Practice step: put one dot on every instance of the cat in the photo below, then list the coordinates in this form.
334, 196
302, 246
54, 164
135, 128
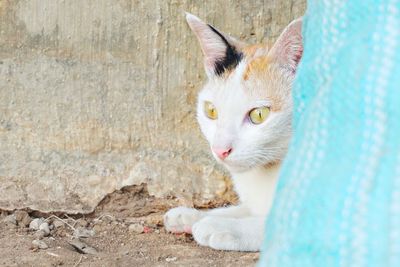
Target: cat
245, 112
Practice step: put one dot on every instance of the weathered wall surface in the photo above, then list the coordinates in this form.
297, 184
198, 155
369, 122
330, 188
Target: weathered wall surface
99, 94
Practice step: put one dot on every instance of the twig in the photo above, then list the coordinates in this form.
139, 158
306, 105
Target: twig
69, 218
105, 215
80, 259
58, 218
53, 254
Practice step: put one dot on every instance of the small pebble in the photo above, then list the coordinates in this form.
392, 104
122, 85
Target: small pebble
83, 232
107, 219
97, 228
170, 259
40, 234
82, 247
82, 222
10, 219
23, 218
45, 228
136, 228
57, 224
39, 244
35, 223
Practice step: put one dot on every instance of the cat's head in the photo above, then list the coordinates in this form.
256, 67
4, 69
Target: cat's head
245, 108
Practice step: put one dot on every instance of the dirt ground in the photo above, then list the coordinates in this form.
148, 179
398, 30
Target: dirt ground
125, 230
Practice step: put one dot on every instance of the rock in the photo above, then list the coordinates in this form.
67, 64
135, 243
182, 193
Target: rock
82, 247
82, 222
40, 234
97, 228
171, 259
10, 219
136, 228
107, 218
23, 218
20, 215
83, 232
45, 228
39, 244
25, 221
35, 223
58, 224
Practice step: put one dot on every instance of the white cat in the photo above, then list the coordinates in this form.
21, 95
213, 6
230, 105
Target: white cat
245, 112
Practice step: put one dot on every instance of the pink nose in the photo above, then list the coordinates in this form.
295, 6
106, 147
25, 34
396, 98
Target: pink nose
222, 153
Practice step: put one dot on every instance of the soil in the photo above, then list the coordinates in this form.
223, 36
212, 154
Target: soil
126, 229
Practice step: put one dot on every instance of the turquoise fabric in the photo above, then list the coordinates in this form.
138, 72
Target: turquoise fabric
338, 197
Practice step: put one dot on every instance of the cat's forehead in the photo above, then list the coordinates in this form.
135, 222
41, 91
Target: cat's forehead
232, 89
253, 80
249, 57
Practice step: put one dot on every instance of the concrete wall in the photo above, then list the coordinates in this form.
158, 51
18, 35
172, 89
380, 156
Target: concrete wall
99, 94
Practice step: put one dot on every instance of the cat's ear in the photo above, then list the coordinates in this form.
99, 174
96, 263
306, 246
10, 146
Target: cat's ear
221, 52
288, 49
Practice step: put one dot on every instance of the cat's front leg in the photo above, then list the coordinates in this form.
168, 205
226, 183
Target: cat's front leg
239, 234
181, 219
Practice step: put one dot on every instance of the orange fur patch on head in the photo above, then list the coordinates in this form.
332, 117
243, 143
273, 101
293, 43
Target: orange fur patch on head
257, 65
250, 51
277, 103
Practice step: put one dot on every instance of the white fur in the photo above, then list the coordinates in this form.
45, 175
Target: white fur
236, 227
257, 150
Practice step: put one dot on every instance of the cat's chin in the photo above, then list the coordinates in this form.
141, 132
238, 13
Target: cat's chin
236, 167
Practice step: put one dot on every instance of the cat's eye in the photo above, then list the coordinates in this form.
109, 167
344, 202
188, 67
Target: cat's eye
210, 110
259, 115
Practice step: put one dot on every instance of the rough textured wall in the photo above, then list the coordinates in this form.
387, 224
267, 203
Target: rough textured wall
99, 94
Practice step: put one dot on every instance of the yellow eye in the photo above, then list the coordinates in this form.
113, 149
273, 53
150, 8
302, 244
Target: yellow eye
210, 110
258, 115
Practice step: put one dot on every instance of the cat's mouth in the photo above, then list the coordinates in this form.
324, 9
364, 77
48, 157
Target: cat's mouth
239, 162
235, 165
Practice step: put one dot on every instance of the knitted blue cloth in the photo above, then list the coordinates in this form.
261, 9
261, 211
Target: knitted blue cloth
338, 197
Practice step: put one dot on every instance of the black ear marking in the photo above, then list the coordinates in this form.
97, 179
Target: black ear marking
231, 59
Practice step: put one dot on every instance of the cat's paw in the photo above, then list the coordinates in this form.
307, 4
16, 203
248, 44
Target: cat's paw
181, 219
213, 232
